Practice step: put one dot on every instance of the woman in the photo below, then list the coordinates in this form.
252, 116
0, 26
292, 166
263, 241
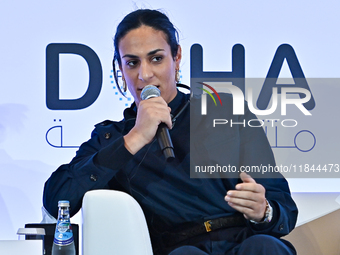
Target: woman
243, 215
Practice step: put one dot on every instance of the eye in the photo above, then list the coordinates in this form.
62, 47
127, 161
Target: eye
157, 58
131, 63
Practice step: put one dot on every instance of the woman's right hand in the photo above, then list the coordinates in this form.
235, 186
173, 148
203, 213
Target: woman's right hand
150, 114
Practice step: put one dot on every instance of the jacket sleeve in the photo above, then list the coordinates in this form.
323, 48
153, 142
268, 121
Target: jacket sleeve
256, 151
284, 209
96, 163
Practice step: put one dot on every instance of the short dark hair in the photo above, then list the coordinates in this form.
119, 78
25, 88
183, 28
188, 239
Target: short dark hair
151, 18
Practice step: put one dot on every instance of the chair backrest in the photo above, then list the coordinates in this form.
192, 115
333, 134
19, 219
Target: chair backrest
114, 223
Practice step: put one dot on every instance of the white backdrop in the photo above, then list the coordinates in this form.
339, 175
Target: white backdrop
27, 27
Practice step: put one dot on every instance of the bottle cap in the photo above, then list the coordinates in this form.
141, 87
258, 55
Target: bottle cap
63, 203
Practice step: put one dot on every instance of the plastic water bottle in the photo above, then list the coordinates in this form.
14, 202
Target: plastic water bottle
63, 243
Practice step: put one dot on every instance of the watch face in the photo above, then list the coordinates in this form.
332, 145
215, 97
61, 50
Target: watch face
269, 213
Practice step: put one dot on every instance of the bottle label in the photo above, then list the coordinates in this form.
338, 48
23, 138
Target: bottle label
63, 234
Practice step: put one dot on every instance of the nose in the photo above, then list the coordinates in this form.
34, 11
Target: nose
145, 71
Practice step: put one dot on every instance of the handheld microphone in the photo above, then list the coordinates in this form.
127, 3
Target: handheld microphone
162, 134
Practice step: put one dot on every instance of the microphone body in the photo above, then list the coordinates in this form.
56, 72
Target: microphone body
162, 134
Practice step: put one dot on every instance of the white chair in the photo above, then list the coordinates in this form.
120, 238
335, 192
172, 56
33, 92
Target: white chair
114, 223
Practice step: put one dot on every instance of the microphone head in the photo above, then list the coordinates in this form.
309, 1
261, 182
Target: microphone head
150, 91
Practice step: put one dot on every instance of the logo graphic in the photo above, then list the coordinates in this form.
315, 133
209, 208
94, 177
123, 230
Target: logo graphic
213, 90
127, 100
239, 99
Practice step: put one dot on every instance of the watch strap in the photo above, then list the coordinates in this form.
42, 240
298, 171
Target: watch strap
268, 215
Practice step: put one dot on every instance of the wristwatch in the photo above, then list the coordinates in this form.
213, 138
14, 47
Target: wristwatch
268, 215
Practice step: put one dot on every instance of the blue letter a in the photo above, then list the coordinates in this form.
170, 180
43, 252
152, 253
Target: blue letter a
284, 51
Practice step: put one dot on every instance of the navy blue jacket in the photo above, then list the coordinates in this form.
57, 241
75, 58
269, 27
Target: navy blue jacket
165, 191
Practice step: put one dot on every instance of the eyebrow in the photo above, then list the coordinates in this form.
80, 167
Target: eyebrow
149, 54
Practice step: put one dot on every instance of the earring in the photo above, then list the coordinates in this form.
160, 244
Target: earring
124, 85
178, 77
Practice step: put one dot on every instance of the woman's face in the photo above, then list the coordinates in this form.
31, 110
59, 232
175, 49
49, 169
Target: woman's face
146, 60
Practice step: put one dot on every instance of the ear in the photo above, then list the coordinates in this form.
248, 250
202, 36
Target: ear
178, 57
